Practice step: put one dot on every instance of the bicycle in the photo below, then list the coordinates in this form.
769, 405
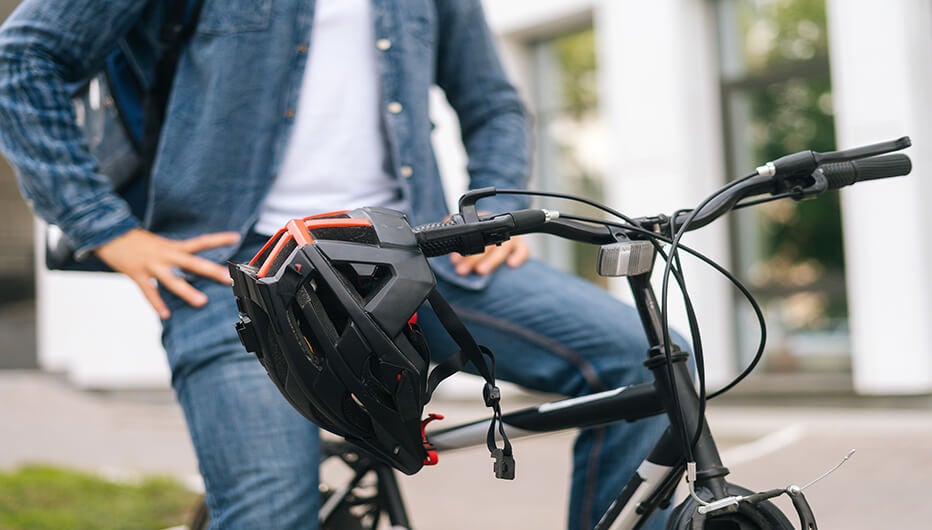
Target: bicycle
628, 248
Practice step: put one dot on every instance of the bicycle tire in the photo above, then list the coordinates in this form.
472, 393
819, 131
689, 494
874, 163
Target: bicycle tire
761, 516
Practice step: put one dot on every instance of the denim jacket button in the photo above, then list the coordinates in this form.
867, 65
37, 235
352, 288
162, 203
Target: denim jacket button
406, 171
383, 44
289, 113
394, 107
301, 48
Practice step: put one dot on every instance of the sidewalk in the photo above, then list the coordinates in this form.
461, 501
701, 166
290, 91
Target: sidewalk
44, 419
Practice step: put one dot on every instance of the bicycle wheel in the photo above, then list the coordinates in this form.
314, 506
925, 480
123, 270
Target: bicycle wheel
761, 516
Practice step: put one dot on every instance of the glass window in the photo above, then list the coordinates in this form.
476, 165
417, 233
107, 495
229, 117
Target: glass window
777, 99
569, 134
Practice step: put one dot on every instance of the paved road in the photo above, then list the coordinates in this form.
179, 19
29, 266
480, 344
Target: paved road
883, 486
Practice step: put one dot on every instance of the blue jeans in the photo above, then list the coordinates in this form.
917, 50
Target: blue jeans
550, 332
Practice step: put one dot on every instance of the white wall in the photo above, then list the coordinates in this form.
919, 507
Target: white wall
96, 328
659, 99
882, 79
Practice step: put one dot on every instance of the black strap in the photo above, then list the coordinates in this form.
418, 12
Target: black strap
175, 32
472, 352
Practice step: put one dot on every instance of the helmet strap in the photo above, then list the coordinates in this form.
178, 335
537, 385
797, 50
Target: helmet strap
470, 351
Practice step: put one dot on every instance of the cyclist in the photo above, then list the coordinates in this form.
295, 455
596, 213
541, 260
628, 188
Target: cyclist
282, 109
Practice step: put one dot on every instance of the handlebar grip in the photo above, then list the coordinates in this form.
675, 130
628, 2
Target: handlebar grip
842, 174
436, 239
432, 245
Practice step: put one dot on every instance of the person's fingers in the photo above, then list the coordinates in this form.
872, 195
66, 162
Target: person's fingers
208, 241
467, 264
519, 254
148, 258
514, 252
203, 267
181, 288
151, 293
492, 259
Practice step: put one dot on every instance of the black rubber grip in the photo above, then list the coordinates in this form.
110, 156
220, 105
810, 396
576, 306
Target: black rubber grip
432, 244
472, 238
842, 174
439, 247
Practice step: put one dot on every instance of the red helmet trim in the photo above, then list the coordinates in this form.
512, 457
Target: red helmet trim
299, 230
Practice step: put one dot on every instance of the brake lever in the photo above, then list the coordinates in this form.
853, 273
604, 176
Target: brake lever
467, 203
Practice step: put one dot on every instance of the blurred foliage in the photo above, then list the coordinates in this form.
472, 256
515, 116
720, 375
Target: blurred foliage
48, 498
781, 32
577, 109
576, 57
786, 41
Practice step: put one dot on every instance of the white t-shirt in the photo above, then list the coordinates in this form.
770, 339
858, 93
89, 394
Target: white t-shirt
336, 156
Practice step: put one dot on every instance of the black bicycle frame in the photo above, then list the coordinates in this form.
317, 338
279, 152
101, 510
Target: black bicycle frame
629, 403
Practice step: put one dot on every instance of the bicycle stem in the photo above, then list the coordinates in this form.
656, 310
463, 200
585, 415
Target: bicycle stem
682, 409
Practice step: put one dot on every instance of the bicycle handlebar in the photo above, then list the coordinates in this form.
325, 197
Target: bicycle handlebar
830, 176
458, 235
842, 174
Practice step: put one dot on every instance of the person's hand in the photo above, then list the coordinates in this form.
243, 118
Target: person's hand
148, 258
513, 252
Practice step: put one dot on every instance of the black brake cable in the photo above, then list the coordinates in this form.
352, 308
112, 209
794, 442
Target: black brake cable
698, 352
762, 200
668, 355
693, 322
664, 300
745, 292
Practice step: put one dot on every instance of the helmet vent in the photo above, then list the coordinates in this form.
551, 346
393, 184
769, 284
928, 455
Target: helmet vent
282, 255
365, 279
350, 234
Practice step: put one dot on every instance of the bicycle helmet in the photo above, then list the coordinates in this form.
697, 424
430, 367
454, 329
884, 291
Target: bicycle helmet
329, 307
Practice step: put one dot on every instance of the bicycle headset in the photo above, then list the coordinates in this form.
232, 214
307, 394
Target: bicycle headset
329, 305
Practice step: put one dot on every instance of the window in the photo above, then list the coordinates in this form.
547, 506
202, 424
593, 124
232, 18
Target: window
777, 99
569, 134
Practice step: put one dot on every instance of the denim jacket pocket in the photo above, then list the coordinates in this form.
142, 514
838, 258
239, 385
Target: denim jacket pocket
220, 17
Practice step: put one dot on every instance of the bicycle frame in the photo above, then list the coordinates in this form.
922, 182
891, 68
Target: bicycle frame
687, 445
656, 478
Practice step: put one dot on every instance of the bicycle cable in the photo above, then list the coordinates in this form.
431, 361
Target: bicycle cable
654, 237
665, 318
745, 292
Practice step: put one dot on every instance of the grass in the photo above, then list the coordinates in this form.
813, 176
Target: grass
37, 497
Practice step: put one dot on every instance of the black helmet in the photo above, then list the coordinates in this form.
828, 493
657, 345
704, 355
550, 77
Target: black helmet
328, 305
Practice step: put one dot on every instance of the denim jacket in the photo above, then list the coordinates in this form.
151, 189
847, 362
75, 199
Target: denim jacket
232, 108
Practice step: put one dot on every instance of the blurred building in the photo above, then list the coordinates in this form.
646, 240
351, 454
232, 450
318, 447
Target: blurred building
649, 107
